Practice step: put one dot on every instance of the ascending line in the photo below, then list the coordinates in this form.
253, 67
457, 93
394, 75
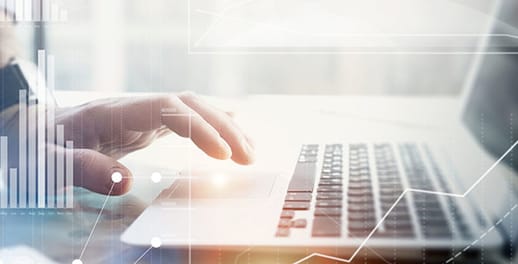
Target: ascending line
401, 197
96, 221
142, 256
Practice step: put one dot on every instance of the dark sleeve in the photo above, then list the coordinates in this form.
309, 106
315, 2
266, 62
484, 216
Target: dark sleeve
11, 82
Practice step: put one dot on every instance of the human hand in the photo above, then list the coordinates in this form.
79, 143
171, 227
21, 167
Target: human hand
106, 130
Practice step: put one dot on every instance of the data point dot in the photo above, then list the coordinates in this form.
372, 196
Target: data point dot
156, 177
116, 178
156, 242
77, 261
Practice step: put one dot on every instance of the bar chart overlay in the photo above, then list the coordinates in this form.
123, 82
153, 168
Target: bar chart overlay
34, 11
44, 176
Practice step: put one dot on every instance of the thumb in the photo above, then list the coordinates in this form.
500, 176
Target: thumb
94, 170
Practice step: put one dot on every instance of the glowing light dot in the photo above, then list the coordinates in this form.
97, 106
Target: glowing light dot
156, 242
156, 177
116, 178
219, 180
77, 261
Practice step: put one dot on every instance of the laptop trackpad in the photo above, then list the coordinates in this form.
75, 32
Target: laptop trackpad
222, 185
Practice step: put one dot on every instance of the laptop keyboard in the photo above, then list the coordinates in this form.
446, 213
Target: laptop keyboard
327, 217
349, 200
398, 223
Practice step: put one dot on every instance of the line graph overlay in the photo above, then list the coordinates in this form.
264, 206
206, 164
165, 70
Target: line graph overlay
482, 235
96, 222
408, 190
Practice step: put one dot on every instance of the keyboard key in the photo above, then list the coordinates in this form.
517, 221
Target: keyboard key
390, 192
299, 223
329, 196
398, 215
395, 234
398, 224
332, 188
284, 223
328, 212
287, 214
330, 177
359, 192
326, 227
324, 182
329, 203
363, 180
360, 199
437, 233
361, 208
282, 232
359, 233
437, 222
361, 225
361, 216
303, 178
307, 159
296, 206
298, 197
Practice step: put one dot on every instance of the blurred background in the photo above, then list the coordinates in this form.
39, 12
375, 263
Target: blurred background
153, 46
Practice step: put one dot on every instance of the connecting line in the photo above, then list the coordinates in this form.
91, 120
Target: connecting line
96, 221
222, 15
470, 189
142, 256
481, 236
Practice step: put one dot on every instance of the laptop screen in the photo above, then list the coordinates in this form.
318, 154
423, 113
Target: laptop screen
491, 112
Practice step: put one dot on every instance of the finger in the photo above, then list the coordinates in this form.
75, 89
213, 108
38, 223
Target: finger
187, 123
242, 149
153, 113
93, 171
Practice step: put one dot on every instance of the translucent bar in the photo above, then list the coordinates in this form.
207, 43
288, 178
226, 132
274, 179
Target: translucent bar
27, 10
13, 190
69, 172
36, 10
40, 86
63, 15
3, 6
10, 5
51, 136
3, 171
54, 12
19, 10
45, 10
60, 167
31, 167
22, 109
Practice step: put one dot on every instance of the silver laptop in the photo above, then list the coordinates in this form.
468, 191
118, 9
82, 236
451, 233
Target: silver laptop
342, 198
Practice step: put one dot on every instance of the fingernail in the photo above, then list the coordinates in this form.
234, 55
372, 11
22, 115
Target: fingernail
226, 150
250, 151
250, 142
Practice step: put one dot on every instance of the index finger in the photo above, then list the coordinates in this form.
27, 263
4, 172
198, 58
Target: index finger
154, 113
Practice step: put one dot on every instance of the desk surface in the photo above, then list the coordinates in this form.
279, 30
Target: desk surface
276, 122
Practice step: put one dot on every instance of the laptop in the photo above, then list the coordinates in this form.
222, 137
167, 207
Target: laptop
390, 196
